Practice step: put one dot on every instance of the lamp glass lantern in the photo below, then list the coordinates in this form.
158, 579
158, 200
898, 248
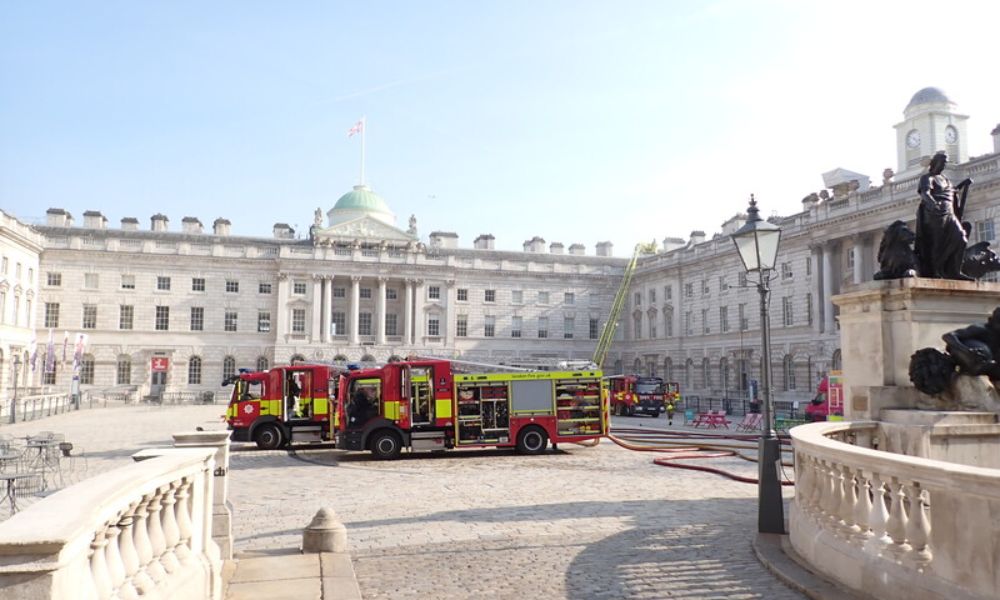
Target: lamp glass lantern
757, 241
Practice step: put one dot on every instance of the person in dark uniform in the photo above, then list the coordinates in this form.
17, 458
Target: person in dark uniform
361, 406
292, 402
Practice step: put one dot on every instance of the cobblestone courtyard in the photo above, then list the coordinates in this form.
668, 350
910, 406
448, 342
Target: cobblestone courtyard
579, 523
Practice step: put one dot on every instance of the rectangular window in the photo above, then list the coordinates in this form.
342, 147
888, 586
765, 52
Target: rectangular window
3, 306
638, 299
741, 279
339, 292
809, 309
704, 288
299, 288
194, 371
985, 231
637, 327
53, 279
689, 290
263, 321
51, 314
434, 292
49, 378
463, 295
433, 326
232, 286
197, 318
668, 292
390, 294
705, 330
231, 318
123, 372
91, 281
668, 322
543, 327
688, 323
652, 296
724, 319
365, 323
390, 324
89, 317
786, 267
364, 293
723, 284
652, 326
744, 321
198, 284
569, 298
298, 320
516, 297
543, 297
128, 282
594, 330
462, 326
516, 323
490, 296
126, 314
163, 284
263, 288
809, 265
786, 312
338, 323
489, 326
569, 327
87, 371
162, 322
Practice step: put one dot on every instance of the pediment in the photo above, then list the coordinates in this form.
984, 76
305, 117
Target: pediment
364, 229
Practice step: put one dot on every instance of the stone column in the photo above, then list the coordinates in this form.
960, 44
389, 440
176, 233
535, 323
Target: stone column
282, 324
408, 314
325, 315
859, 259
418, 313
380, 312
817, 288
222, 509
317, 309
355, 309
825, 299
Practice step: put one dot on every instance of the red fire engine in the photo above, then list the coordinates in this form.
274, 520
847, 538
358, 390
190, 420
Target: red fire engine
634, 394
282, 405
423, 405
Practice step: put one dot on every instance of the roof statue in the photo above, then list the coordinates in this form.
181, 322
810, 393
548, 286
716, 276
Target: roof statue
413, 225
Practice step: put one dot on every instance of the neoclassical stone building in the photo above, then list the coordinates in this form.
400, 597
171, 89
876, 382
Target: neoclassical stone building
691, 317
178, 310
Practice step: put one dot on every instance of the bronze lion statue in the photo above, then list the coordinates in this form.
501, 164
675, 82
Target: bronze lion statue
896, 258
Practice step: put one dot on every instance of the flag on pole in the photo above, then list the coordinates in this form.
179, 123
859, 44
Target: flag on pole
358, 128
50, 355
33, 350
81, 341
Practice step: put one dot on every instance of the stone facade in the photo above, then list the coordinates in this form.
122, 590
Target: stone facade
20, 248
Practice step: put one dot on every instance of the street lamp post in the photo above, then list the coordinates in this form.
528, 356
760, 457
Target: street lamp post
13, 399
757, 244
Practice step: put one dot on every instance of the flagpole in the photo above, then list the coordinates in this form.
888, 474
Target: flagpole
364, 127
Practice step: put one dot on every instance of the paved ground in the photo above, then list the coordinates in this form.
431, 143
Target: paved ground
599, 522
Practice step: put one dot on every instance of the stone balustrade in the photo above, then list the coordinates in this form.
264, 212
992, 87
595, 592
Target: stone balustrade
894, 526
144, 530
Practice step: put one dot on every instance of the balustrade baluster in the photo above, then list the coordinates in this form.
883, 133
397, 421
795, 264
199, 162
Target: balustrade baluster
918, 526
803, 476
863, 506
113, 557
154, 528
130, 559
834, 489
184, 520
850, 501
99, 566
143, 548
170, 533
879, 514
896, 527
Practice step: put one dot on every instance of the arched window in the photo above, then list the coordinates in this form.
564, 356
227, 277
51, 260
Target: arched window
788, 372
87, 369
836, 366
340, 358
637, 367
618, 367
368, 358
395, 358
688, 370
668, 369
706, 379
194, 370
297, 358
262, 363
228, 367
123, 370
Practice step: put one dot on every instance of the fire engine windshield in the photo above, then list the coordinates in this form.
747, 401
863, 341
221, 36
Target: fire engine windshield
649, 385
248, 390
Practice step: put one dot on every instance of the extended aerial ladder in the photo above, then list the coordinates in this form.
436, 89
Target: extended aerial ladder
611, 325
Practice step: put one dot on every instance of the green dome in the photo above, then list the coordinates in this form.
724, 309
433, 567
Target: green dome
363, 199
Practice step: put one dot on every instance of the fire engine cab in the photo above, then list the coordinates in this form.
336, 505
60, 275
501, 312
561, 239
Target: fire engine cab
282, 405
424, 405
634, 394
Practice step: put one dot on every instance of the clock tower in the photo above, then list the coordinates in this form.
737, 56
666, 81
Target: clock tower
930, 124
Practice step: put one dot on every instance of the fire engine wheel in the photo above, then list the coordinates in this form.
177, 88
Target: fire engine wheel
532, 440
386, 445
268, 437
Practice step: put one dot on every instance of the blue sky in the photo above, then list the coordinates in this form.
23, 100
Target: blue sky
576, 121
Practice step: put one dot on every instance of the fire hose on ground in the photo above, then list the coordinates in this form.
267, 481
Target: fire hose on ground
684, 445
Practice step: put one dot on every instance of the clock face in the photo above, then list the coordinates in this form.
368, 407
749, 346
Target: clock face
950, 135
913, 139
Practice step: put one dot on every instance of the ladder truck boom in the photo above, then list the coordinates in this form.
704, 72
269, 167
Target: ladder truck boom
608, 333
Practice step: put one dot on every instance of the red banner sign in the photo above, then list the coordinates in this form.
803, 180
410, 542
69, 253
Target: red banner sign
159, 364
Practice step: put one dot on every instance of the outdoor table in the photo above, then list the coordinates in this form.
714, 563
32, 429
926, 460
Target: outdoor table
46, 460
10, 490
8, 458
